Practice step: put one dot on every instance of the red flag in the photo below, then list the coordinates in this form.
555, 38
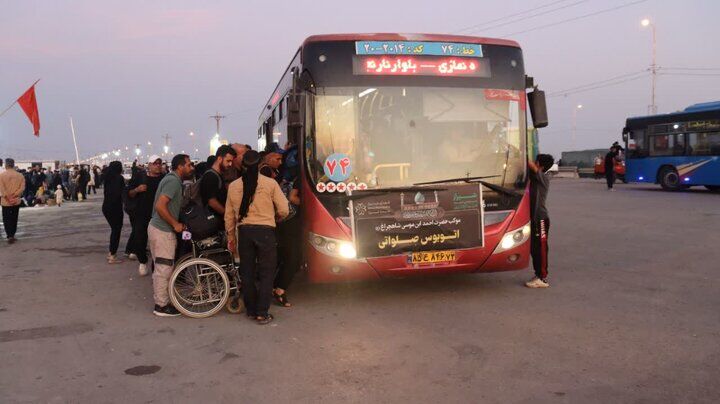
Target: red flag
29, 105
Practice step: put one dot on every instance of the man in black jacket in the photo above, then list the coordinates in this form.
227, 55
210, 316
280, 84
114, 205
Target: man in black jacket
143, 189
212, 186
610, 159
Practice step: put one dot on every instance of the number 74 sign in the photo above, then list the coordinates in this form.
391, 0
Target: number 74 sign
337, 167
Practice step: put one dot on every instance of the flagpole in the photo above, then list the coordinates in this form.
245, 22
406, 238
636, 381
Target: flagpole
72, 128
8, 108
15, 102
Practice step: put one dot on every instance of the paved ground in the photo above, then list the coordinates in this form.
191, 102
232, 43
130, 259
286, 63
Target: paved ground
632, 316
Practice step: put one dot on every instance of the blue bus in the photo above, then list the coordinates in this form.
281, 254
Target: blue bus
676, 150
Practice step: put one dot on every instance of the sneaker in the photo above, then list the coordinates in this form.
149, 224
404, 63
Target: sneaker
167, 311
132, 257
143, 270
113, 259
11, 240
536, 283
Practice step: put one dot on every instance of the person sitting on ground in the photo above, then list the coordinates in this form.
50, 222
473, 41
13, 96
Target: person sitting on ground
255, 202
163, 229
540, 220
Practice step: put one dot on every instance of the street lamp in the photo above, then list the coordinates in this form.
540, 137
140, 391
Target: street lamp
653, 67
574, 123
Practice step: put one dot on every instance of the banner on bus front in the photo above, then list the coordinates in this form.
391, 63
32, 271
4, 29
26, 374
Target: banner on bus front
391, 223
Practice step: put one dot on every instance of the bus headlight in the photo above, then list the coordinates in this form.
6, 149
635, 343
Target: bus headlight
333, 247
513, 239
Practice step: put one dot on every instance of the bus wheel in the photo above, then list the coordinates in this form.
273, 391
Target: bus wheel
623, 179
713, 188
670, 180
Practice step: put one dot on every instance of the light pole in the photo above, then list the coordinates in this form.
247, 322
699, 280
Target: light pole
574, 124
653, 67
192, 137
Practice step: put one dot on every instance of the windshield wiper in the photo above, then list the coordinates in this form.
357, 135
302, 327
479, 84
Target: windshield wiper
470, 180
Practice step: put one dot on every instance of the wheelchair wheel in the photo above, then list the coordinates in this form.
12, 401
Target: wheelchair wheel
234, 304
182, 259
199, 288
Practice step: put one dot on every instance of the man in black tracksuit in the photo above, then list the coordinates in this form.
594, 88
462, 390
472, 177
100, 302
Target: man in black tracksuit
610, 159
539, 186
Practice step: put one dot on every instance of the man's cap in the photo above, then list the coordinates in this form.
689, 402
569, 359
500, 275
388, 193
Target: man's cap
251, 158
154, 158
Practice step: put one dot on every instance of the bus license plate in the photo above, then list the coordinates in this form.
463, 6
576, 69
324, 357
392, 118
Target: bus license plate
431, 257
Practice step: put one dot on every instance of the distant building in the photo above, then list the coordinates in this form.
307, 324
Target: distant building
27, 164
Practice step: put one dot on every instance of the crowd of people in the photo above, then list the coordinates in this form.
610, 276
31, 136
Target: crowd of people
41, 186
250, 198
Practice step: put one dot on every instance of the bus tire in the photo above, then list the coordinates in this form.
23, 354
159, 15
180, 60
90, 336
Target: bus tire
713, 188
670, 179
623, 179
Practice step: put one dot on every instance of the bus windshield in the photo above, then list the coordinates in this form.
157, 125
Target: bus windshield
398, 136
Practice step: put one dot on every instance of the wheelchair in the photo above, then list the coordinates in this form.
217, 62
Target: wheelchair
206, 280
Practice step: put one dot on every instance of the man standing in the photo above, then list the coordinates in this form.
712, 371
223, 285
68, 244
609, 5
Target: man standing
213, 191
143, 190
270, 165
12, 185
540, 220
162, 231
236, 170
610, 159
254, 202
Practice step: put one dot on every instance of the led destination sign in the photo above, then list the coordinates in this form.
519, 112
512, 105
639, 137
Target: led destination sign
420, 66
418, 48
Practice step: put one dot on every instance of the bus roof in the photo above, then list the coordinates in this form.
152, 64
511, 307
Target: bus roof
704, 106
410, 37
705, 110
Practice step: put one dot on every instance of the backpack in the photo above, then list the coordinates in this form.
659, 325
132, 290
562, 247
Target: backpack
130, 204
199, 218
286, 187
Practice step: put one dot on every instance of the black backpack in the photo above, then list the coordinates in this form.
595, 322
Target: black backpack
130, 204
199, 218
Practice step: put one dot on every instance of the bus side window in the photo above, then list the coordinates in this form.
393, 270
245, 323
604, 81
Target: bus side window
659, 145
679, 146
704, 144
637, 138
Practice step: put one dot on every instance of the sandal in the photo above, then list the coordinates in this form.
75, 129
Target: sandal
281, 300
262, 320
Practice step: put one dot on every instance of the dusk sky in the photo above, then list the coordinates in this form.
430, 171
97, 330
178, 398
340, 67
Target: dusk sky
130, 71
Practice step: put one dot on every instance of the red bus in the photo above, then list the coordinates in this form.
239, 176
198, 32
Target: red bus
412, 150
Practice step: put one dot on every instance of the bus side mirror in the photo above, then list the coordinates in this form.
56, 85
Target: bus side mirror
538, 108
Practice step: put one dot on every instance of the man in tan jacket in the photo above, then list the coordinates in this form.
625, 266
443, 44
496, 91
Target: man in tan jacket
254, 202
12, 185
